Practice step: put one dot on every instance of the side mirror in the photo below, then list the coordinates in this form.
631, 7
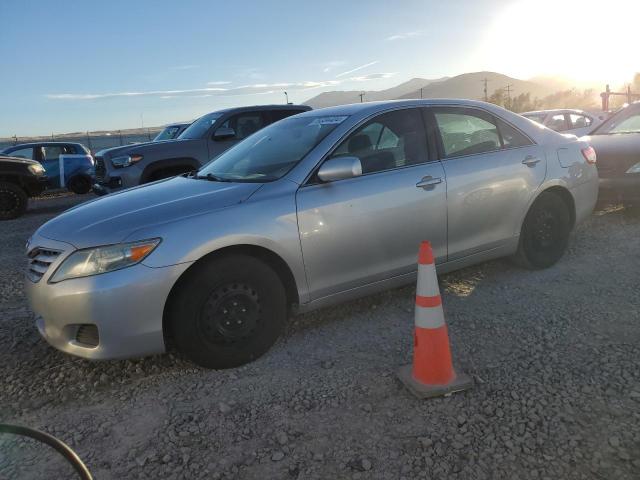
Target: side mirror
224, 133
340, 168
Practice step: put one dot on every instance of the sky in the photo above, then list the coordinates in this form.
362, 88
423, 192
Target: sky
91, 65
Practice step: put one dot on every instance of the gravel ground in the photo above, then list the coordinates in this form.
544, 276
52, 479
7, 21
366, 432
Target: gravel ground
555, 356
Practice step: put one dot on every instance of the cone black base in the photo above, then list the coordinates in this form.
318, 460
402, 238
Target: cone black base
421, 390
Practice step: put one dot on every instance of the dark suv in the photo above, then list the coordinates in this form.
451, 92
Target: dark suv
20, 178
204, 139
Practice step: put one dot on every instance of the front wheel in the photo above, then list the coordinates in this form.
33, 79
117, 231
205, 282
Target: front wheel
13, 201
79, 185
228, 312
545, 232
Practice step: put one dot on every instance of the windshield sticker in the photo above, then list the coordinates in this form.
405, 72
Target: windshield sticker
335, 120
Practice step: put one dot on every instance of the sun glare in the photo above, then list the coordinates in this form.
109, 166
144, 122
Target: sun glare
589, 40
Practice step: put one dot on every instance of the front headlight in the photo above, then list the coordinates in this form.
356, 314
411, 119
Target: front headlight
634, 169
125, 160
36, 169
93, 261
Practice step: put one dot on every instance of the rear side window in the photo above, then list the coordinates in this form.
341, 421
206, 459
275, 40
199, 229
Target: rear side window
579, 121
512, 138
557, 122
466, 132
282, 114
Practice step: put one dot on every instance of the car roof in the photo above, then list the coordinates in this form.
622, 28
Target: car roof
555, 110
373, 107
301, 108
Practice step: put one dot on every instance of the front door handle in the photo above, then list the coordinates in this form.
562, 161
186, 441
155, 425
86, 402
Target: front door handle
530, 161
428, 182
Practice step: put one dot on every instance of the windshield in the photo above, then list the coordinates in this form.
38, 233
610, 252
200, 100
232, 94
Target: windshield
271, 152
626, 120
198, 128
169, 133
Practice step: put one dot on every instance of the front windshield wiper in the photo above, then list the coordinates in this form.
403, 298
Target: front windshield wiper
211, 177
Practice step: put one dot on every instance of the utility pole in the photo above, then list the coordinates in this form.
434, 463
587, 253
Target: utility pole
286, 98
361, 95
421, 91
486, 95
508, 90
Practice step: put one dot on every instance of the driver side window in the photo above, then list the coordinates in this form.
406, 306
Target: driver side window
391, 140
245, 124
466, 132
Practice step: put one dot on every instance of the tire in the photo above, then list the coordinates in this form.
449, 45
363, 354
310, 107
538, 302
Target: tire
545, 232
242, 287
13, 201
79, 185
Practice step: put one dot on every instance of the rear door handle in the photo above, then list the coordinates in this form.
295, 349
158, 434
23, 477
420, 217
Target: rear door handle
530, 161
429, 182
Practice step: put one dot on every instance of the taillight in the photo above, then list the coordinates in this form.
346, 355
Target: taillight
589, 155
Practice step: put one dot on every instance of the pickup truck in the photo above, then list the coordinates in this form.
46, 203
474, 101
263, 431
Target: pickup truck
204, 139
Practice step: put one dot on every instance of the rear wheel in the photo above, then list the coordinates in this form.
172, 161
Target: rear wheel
228, 312
545, 232
79, 185
13, 201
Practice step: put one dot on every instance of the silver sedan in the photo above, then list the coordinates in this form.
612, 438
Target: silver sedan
315, 209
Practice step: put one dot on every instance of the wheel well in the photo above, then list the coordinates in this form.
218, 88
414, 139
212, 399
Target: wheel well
567, 198
177, 165
267, 256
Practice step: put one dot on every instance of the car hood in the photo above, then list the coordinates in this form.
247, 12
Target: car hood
615, 153
113, 218
148, 147
22, 161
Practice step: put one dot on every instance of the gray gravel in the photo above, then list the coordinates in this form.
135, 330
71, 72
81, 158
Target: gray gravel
555, 356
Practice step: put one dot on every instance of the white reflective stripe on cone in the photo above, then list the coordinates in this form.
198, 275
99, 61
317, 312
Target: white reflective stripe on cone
429, 317
427, 281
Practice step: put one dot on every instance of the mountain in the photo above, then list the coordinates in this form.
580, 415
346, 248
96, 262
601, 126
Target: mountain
471, 86
467, 85
329, 99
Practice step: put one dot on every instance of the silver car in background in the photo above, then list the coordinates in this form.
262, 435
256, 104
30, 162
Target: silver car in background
318, 208
567, 120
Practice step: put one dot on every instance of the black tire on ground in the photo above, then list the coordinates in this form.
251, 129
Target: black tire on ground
227, 312
13, 201
79, 184
545, 232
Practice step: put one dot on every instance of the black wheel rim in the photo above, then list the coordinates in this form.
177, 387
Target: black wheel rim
8, 201
545, 232
230, 314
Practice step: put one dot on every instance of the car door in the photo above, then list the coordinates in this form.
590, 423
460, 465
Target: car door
243, 125
368, 228
50, 160
492, 171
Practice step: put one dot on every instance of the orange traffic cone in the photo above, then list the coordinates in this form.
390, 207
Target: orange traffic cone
432, 372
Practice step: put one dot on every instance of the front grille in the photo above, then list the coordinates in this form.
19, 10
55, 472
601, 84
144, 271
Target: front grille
101, 170
40, 259
87, 335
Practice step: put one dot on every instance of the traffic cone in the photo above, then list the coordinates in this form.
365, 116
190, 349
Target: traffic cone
432, 373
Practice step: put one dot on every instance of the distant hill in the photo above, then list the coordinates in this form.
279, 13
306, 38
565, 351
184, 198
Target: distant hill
471, 86
329, 99
467, 85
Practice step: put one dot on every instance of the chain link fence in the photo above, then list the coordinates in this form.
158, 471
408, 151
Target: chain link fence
95, 141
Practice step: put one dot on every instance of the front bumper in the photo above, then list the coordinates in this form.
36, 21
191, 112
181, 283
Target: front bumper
126, 306
627, 187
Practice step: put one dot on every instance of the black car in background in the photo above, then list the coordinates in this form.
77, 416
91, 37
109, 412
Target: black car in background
617, 146
20, 179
